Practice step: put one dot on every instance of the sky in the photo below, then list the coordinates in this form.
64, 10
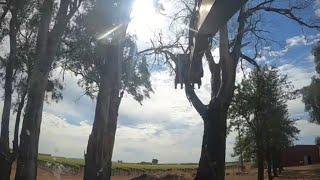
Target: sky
166, 126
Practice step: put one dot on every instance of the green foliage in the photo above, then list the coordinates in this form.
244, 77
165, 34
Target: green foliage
259, 113
28, 21
84, 55
311, 93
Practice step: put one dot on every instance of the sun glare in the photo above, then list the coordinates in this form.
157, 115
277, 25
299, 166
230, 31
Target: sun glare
145, 19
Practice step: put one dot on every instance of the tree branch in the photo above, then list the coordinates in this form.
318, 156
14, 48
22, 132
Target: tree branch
196, 102
287, 12
250, 60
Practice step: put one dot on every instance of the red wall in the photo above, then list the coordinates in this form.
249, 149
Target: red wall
295, 154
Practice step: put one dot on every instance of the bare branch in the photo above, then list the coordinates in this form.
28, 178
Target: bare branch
287, 12
250, 60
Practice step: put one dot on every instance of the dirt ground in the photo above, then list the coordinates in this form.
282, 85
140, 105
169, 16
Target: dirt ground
311, 172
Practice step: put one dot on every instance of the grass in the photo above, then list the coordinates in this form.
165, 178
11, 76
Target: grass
77, 163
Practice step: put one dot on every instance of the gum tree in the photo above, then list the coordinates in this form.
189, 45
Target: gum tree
51, 28
106, 59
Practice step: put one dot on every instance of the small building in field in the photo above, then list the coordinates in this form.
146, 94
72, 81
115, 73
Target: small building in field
301, 155
155, 161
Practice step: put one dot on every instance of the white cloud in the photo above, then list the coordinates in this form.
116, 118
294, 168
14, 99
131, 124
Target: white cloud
307, 128
293, 42
317, 8
299, 77
60, 138
296, 40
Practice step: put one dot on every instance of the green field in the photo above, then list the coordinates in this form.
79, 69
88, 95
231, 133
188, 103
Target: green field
77, 163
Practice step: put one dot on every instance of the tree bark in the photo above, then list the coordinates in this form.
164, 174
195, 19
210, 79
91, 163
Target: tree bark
212, 160
269, 164
275, 162
274, 168
5, 154
47, 44
101, 140
29, 137
17, 123
260, 159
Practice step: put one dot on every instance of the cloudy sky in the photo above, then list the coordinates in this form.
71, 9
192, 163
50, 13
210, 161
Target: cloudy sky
166, 126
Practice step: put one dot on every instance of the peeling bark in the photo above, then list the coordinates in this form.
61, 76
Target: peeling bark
101, 140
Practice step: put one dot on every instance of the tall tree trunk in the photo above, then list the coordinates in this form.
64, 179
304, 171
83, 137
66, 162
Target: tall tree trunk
269, 164
101, 140
260, 159
275, 168
17, 123
47, 44
29, 137
212, 160
5, 154
275, 162
241, 152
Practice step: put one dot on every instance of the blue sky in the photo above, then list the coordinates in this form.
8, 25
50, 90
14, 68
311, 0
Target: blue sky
166, 126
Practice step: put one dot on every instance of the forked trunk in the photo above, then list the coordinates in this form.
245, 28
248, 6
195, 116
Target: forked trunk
47, 44
212, 160
101, 140
29, 137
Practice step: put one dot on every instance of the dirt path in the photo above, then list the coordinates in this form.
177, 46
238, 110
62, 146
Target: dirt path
47, 175
302, 172
311, 172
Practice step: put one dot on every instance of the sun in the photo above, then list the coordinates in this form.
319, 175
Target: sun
145, 20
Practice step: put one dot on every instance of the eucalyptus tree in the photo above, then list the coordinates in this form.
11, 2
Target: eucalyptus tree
53, 19
311, 93
18, 11
261, 101
22, 41
98, 49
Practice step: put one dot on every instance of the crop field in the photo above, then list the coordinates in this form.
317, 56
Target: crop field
78, 163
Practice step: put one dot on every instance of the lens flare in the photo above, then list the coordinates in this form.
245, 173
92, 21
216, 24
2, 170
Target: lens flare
109, 32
